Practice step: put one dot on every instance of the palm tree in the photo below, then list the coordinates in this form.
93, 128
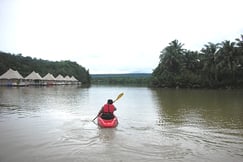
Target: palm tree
171, 56
239, 43
191, 61
169, 68
230, 60
210, 52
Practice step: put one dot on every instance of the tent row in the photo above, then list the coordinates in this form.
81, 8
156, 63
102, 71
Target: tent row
14, 78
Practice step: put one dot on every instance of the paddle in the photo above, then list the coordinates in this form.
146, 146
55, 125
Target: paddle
117, 98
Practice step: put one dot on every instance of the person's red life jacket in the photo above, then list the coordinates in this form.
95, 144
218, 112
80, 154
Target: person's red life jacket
108, 108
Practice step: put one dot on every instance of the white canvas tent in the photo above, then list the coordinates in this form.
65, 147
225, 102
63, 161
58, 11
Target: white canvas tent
11, 78
34, 79
67, 79
74, 79
49, 79
60, 80
34, 76
11, 74
14, 78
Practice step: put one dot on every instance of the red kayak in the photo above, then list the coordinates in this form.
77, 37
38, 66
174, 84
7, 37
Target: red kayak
104, 123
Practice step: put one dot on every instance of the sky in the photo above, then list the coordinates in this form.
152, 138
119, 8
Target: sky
114, 36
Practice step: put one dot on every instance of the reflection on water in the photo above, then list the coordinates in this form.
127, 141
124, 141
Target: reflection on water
206, 122
216, 108
55, 124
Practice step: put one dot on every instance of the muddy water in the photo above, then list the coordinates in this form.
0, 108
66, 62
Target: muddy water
55, 124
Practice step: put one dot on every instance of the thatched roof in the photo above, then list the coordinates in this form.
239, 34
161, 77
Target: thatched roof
34, 76
48, 77
60, 78
11, 74
73, 78
67, 78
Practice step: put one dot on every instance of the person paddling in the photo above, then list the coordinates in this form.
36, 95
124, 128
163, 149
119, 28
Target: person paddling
107, 110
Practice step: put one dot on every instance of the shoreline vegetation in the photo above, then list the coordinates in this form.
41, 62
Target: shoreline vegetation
215, 66
121, 79
27, 65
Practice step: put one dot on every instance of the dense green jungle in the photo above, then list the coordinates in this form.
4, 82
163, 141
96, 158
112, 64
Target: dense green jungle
216, 65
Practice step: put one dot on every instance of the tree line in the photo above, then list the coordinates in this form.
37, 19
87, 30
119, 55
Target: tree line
25, 65
121, 79
216, 65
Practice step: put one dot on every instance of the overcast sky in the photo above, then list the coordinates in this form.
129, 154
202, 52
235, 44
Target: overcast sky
111, 36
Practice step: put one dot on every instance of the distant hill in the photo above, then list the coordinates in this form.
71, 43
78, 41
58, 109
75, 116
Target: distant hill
122, 79
128, 75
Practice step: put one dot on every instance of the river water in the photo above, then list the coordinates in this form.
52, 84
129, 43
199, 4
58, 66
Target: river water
54, 124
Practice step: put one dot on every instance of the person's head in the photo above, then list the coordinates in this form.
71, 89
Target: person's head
110, 101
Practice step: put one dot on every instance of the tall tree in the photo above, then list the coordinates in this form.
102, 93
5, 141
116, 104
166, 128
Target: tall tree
169, 68
239, 44
230, 60
210, 52
217, 65
171, 56
191, 61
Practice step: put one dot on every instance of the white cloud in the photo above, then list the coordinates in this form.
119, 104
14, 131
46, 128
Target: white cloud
114, 36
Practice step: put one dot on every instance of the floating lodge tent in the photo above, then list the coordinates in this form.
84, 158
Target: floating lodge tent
60, 80
34, 79
14, 78
11, 78
49, 79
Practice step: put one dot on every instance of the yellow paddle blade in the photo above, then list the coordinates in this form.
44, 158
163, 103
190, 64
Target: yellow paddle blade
118, 97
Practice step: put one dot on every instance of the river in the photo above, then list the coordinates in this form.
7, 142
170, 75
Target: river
54, 124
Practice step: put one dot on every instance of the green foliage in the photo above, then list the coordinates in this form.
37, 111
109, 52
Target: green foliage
25, 65
216, 65
121, 79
